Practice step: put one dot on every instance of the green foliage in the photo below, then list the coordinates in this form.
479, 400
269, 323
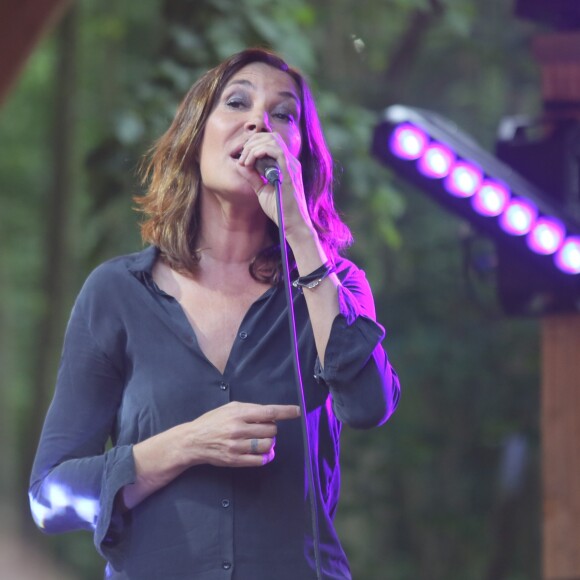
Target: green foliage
420, 495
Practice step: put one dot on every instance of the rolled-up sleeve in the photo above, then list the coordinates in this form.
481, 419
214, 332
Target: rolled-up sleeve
364, 386
75, 478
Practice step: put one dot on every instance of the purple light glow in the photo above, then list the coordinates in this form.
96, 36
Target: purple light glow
546, 236
490, 199
436, 161
408, 142
87, 509
57, 500
568, 256
463, 180
518, 217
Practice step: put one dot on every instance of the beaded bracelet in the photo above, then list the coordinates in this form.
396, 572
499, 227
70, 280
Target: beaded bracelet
314, 278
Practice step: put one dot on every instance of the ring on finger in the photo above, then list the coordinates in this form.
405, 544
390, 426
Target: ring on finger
254, 447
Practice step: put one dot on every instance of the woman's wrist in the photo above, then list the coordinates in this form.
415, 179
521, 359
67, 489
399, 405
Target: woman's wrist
161, 458
302, 236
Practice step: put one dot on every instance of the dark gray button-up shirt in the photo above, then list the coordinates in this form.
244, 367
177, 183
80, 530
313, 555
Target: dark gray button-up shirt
131, 368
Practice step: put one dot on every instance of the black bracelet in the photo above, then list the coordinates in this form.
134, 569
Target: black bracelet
314, 278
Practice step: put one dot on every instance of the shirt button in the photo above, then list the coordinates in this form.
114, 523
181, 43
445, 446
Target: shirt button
243, 335
225, 503
226, 565
224, 386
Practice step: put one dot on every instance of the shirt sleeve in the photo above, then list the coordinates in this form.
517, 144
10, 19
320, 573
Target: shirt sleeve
75, 477
364, 386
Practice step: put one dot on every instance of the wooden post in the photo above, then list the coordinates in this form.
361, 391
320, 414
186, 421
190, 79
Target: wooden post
560, 424
559, 57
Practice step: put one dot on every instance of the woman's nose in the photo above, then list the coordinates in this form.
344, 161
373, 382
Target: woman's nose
259, 123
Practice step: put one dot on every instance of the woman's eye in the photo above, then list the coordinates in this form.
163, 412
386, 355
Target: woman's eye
288, 117
235, 103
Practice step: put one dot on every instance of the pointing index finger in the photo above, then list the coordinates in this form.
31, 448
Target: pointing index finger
268, 413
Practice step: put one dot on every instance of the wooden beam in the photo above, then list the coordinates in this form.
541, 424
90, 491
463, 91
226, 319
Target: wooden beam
22, 24
560, 422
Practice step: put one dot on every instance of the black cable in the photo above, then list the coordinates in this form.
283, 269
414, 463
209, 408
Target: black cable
275, 181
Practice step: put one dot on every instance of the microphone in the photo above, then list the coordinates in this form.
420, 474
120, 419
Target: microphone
268, 168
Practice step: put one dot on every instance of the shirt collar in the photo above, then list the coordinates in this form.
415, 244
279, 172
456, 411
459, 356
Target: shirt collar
141, 263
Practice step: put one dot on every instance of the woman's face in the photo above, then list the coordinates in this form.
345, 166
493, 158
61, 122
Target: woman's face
257, 98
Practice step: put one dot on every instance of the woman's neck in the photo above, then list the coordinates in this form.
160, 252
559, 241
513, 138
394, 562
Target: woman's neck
230, 234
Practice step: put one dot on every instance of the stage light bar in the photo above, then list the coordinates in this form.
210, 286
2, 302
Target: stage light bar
538, 239
435, 154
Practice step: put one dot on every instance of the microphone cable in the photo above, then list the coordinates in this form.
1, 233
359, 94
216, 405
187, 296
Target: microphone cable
272, 174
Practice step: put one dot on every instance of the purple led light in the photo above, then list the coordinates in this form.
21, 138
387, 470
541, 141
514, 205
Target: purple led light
408, 142
490, 199
518, 217
546, 236
436, 161
568, 256
463, 180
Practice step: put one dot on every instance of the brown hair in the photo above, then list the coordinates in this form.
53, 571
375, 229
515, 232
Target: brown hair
173, 177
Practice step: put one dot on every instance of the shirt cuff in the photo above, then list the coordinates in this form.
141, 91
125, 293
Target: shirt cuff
119, 471
353, 338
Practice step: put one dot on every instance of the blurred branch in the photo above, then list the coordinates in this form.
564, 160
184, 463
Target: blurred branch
22, 24
411, 40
